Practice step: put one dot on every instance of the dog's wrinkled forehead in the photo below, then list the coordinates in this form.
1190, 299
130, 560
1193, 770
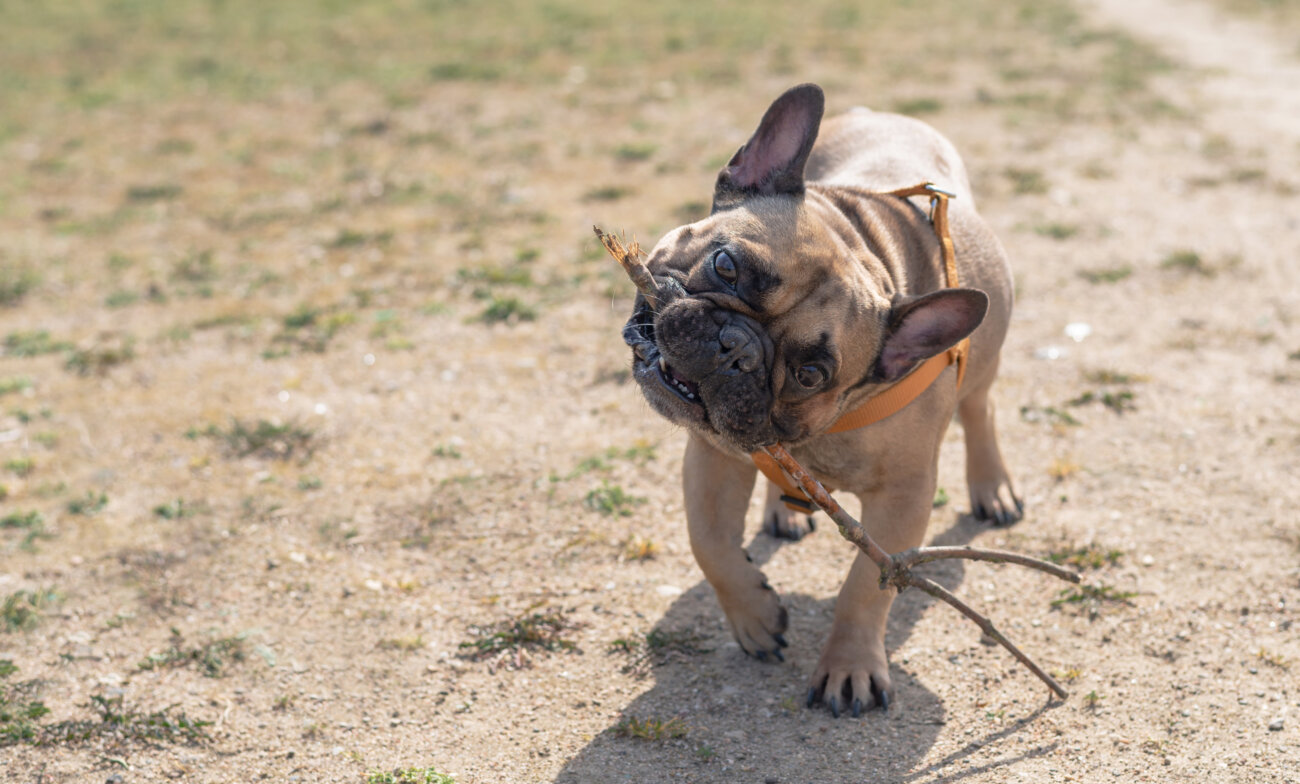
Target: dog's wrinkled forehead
769, 244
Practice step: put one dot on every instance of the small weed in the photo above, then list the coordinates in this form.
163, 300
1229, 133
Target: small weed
13, 384
1026, 181
611, 500
1273, 659
264, 439
1089, 598
1113, 377
1069, 676
1092, 699
20, 466
211, 657
403, 644
1062, 469
495, 276
114, 722
915, 106
704, 752
173, 510
1056, 231
658, 647
940, 499
121, 298
635, 152
195, 268
22, 520
282, 703
19, 711
88, 504
15, 282
33, 343
310, 482
348, 238
1089, 557
607, 193
638, 548
641, 452
1119, 402
510, 641
409, 776
651, 729
150, 193
1188, 261
108, 352
507, 310
1049, 414
308, 328
1106, 274
449, 450
22, 609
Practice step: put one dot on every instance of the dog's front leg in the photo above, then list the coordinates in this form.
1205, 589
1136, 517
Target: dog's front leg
717, 489
853, 672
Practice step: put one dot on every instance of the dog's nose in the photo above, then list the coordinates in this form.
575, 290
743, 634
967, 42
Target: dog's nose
740, 349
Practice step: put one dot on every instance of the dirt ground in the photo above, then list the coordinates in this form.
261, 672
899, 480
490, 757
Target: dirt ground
316, 426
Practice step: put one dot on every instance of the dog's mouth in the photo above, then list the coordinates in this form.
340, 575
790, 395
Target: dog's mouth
649, 363
685, 388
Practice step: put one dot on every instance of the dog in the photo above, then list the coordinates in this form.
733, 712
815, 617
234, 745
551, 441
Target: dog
815, 285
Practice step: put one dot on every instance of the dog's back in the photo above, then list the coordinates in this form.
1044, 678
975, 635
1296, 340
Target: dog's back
882, 151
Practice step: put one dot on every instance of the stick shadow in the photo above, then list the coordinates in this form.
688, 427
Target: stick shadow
746, 720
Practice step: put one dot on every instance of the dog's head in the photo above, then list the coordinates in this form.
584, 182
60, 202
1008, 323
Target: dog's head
774, 315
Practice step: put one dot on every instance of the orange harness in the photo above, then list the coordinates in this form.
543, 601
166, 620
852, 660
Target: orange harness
894, 399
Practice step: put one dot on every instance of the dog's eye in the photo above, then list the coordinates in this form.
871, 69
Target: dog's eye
810, 376
725, 266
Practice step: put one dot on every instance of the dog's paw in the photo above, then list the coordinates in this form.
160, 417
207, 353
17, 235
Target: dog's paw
758, 622
996, 502
851, 679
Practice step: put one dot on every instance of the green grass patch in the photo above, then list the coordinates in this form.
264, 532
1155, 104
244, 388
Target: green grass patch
611, 500
530, 632
22, 610
1056, 231
631, 153
211, 657
101, 357
918, 106
507, 310
1118, 401
308, 328
9, 386
641, 452
16, 280
152, 193
1026, 181
33, 343
1049, 414
1089, 557
656, 648
1187, 261
20, 466
651, 729
173, 510
279, 441
1106, 274
88, 504
408, 776
1090, 598
113, 722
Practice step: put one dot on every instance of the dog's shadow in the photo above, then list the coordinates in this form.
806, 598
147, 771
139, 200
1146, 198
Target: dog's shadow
746, 721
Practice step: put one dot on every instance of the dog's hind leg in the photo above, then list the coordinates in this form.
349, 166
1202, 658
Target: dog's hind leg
780, 521
992, 496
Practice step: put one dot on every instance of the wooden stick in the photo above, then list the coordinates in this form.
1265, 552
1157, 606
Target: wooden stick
895, 570
632, 261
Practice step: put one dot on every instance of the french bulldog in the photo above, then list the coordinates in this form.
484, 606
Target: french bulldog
806, 291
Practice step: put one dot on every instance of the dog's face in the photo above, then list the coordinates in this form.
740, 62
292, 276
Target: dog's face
770, 320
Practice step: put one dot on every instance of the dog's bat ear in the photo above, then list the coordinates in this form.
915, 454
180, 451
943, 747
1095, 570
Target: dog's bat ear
773, 159
920, 327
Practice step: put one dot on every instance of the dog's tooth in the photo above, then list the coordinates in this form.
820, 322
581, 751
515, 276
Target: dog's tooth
663, 364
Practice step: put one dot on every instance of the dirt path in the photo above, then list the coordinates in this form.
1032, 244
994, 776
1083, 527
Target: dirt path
331, 399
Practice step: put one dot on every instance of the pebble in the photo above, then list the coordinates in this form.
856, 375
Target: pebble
1275, 725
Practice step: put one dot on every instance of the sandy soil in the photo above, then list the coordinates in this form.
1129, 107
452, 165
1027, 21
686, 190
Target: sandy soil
454, 469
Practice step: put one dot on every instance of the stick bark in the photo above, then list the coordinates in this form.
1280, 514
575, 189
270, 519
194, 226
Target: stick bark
895, 570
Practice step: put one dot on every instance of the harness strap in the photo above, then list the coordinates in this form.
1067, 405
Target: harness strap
894, 399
